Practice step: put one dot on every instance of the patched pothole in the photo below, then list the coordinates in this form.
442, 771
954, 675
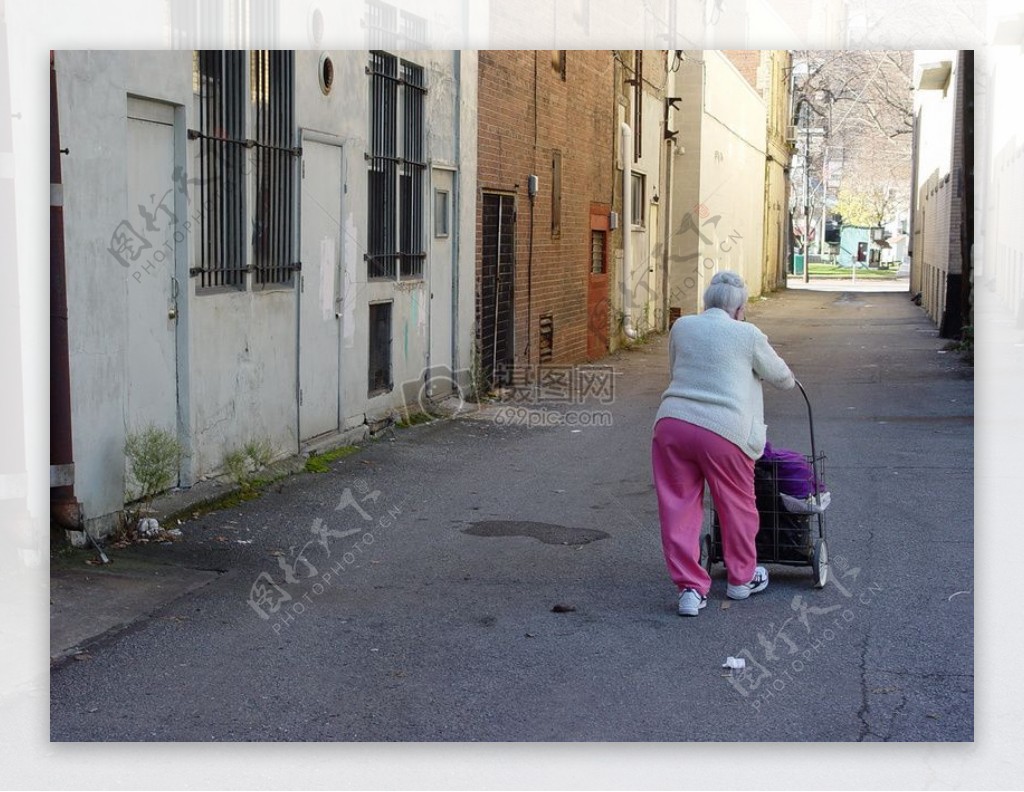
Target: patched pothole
549, 533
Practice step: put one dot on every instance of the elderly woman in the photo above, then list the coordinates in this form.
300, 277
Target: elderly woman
710, 427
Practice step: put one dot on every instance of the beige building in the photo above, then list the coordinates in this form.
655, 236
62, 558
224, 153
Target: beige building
641, 78
717, 173
940, 236
768, 72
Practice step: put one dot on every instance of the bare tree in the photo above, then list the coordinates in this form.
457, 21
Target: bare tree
860, 102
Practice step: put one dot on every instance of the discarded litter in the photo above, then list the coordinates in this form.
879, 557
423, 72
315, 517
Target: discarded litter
735, 663
148, 527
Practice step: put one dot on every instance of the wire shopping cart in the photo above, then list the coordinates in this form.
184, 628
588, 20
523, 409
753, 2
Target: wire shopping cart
793, 538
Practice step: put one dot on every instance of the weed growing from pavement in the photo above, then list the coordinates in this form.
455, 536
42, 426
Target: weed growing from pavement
414, 419
321, 463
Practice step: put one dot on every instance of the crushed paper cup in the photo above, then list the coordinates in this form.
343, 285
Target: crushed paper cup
734, 662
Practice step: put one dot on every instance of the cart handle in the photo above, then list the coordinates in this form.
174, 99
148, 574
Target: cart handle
814, 450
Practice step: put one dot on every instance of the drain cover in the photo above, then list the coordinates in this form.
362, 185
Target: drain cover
549, 533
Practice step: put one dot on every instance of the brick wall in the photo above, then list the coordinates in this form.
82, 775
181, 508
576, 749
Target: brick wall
526, 112
747, 62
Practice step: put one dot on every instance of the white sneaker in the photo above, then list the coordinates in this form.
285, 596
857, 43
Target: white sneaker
690, 602
758, 583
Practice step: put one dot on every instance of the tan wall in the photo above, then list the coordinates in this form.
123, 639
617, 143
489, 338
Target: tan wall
732, 175
937, 206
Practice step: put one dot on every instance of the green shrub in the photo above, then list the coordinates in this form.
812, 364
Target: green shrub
154, 456
241, 464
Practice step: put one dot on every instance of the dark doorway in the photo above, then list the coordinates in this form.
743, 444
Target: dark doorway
496, 287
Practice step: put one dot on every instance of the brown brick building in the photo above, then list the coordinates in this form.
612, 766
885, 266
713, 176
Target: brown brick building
543, 249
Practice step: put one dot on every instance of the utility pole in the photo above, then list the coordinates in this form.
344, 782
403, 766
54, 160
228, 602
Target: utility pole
807, 186
824, 198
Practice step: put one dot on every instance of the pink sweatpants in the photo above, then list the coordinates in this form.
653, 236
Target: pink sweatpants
683, 457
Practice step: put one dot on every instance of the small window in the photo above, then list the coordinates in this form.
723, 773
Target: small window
380, 348
441, 213
598, 252
639, 199
547, 337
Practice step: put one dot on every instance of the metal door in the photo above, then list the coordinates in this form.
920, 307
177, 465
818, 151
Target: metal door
439, 380
151, 361
319, 289
497, 287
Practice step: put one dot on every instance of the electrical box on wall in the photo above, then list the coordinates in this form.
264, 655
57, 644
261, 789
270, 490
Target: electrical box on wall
531, 185
613, 221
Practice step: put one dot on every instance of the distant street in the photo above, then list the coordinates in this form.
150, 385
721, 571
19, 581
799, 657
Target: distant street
484, 579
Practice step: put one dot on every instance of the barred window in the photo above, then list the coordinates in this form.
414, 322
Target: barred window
273, 122
228, 228
413, 249
380, 348
220, 84
396, 247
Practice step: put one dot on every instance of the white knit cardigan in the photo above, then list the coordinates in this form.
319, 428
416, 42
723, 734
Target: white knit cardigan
717, 365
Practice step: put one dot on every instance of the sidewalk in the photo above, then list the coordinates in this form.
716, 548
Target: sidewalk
90, 602
796, 283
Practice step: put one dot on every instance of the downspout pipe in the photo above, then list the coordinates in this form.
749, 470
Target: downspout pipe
627, 221
65, 510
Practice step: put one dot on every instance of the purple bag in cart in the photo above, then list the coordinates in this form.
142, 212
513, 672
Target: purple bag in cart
794, 474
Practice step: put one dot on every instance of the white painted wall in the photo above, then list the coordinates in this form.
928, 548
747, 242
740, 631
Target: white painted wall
645, 288
718, 182
343, 113
933, 194
93, 88
237, 350
732, 174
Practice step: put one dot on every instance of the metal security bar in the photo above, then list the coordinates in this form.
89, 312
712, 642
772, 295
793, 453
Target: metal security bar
221, 159
382, 256
413, 169
495, 305
272, 80
598, 252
